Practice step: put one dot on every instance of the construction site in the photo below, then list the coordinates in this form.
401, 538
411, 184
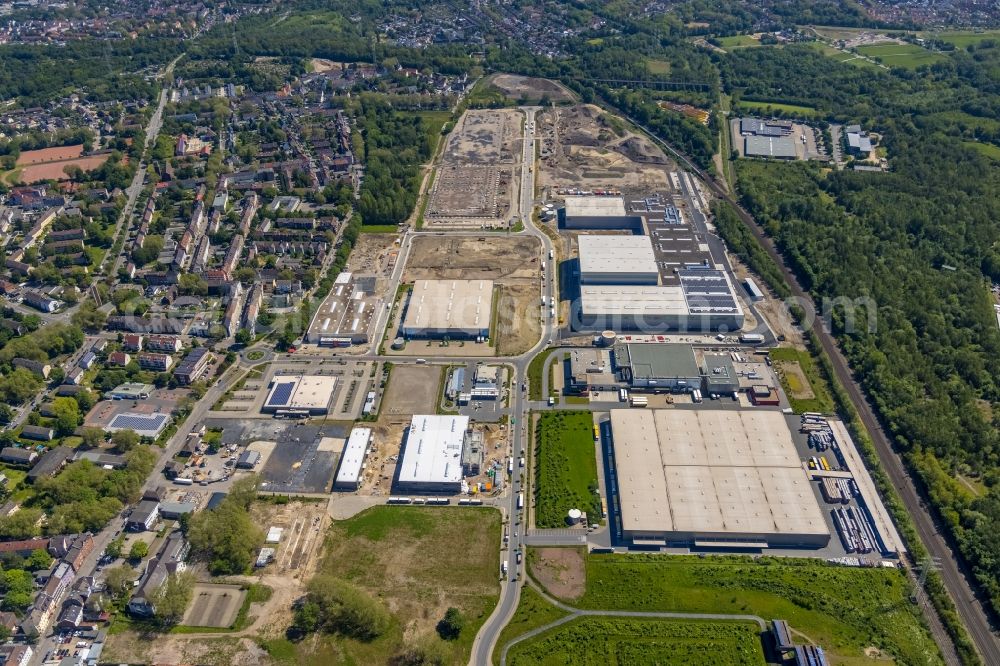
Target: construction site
582, 148
473, 187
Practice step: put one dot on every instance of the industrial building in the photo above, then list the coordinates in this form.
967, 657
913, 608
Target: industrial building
761, 127
712, 479
352, 461
720, 375
348, 313
858, 142
292, 395
657, 367
144, 425
777, 147
590, 370
617, 260
664, 281
583, 212
449, 308
432, 454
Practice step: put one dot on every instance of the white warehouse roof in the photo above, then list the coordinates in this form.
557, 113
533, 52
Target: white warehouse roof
353, 459
595, 206
450, 305
621, 255
627, 300
433, 452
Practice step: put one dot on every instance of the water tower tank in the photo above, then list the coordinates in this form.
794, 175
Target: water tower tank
608, 338
574, 516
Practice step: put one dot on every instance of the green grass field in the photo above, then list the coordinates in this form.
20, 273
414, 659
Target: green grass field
987, 149
535, 375
823, 401
417, 561
909, 56
660, 67
737, 41
840, 56
642, 642
436, 121
771, 107
533, 611
962, 38
844, 609
565, 468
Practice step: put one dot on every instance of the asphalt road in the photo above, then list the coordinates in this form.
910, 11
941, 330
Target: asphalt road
971, 608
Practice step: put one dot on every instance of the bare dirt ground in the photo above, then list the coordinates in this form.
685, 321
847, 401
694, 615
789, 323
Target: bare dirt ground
780, 319
530, 88
489, 257
796, 381
561, 571
296, 560
485, 136
381, 468
584, 147
470, 195
413, 389
371, 253
518, 322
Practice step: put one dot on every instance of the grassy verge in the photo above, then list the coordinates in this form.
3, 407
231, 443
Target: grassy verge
823, 401
594, 640
379, 229
532, 612
535, 374
418, 562
845, 609
565, 468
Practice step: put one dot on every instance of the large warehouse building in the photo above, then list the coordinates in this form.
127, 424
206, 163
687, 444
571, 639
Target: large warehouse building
597, 213
617, 260
658, 367
352, 460
432, 454
449, 308
290, 395
712, 479
347, 314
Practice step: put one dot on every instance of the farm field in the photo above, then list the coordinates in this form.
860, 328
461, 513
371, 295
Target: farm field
641, 642
806, 389
738, 41
962, 38
565, 467
909, 56
770, 107
849, 611
418, 562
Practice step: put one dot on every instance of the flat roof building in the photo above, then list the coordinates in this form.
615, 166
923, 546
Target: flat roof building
617, 260
449, 308
587, 212
130, 391
591, 370
352, 461
713, 478
144, 425
657, 366
347, 314
720, 375
193, 366
308, 394
432, 454
777, 147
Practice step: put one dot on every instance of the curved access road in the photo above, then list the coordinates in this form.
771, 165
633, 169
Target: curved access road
972, 609
574, 613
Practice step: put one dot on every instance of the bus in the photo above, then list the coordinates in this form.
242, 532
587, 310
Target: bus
520, 501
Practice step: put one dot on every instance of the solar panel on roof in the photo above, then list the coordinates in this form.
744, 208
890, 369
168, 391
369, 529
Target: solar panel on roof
138, 422
281, 395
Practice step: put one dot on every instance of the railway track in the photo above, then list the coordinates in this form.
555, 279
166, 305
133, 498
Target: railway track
972, 609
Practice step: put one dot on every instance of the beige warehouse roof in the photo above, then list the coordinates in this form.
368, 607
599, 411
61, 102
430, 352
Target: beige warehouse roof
711, 473
442, 305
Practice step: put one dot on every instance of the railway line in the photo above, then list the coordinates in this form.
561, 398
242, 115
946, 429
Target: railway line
972, 609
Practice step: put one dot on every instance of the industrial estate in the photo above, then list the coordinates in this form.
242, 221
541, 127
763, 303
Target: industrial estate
407, 360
